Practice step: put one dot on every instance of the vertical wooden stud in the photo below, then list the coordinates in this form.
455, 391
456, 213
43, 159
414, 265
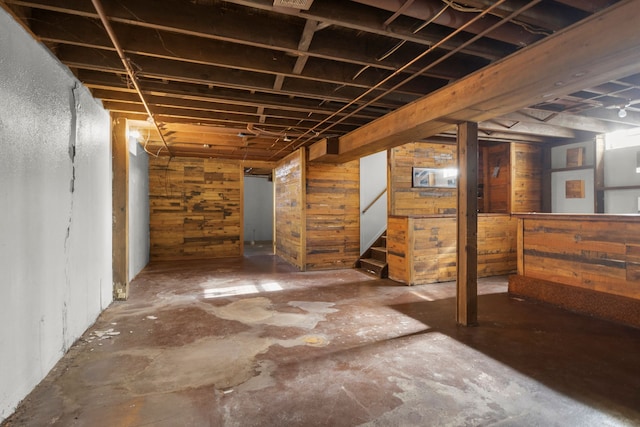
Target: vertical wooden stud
599, 175
486, 208
120, 208
242, 230
546, 179
391, 197
467, 225
303, 208
520, 246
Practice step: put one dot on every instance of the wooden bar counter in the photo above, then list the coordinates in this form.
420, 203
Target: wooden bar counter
585, 263
422, 249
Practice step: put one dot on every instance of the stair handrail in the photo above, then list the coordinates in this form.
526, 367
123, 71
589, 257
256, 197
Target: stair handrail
374, 201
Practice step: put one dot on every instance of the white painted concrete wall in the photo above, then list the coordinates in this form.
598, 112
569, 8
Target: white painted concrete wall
55, 217
620, 169
138, 208
258, 209
559, 202
373, 180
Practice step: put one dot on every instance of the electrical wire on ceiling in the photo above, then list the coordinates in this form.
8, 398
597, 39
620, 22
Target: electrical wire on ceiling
402, 42
455, 6
128, 67
527, 27
433, 18
386, 79
412, 76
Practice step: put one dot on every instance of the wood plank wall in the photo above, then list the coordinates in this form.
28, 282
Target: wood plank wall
399, 255
405, 200
422, 250
332, 215
497, 178
289, 179
597, 253
526, 177
195, 208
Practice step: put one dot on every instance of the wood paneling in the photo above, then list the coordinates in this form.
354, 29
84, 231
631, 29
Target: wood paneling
497, 178
195, 208
317, 213
595, 252
290, 209
526, 178
332, 215
423, 249
398, 250
405, 200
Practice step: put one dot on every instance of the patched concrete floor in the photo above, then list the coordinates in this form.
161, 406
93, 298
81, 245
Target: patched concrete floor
253, 342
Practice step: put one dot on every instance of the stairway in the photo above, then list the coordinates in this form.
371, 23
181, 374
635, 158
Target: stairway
374, 260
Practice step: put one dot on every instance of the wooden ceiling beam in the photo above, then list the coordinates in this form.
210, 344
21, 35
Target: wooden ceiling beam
361, 18
113, 82
566, 120
247, 105
52, 27
246, 154
505, 124
432, 10
164, 69
234, 24
582, 56
552, 17
591, 6
213, 107
237, 120
632, 118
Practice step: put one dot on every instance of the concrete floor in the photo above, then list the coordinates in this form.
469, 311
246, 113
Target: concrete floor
253, 342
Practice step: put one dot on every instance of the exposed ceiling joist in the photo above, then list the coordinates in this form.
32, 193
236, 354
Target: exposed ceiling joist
584, 55
247, 64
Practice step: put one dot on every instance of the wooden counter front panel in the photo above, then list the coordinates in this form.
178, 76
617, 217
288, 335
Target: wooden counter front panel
597, 255
423, 250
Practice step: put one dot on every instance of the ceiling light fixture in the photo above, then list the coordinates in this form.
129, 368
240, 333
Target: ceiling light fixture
622, 112
286, 138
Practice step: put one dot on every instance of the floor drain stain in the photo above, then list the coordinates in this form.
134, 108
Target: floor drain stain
315, 341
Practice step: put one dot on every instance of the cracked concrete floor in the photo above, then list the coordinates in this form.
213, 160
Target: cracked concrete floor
252, 342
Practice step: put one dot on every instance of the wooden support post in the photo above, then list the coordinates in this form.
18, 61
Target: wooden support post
120, 202
467, 254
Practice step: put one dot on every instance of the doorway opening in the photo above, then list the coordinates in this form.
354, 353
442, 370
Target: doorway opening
258, 213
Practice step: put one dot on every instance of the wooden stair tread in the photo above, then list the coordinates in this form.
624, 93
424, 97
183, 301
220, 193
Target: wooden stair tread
373, 261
